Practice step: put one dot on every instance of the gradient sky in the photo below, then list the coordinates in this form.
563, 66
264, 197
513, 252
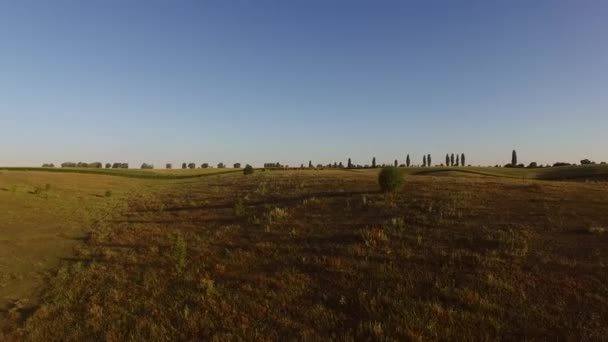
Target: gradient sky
289, 81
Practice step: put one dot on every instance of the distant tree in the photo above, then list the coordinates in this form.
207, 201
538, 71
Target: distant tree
48, 165
204, 165
221, 166
532, 165
586, 162
462, 159
396, 163
192, 166
340, 165
237, 165
184, 165
407, 160
116, 165
457, 160
424, 161
447, 159
350, 164
374, 162
428, 160
452, 160
145, 166
108, 165
514, 158
124, 165
96, 165
169, 166
558, 164
310, 164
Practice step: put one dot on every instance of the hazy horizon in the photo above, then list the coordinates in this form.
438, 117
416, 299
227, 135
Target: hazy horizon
254, 82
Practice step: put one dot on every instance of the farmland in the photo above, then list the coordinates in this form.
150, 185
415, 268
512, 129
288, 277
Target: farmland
458, 253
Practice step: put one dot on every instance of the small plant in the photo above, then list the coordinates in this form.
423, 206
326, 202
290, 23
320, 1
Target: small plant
108, 193
277, 214
41, 191
239, 208
397, 223
248, 170
390, 179
596, 230
179, 252
374, 236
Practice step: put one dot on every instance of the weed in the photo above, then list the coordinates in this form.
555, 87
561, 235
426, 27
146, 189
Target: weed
179, 253
277, 215
239, 208
397, 223
373, 237
596, 230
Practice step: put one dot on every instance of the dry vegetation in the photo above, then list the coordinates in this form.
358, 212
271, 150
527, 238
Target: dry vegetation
41, 219
323, 254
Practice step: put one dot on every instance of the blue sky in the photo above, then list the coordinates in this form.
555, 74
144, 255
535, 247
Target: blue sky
290, 81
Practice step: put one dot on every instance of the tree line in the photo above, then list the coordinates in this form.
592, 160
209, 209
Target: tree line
451, 160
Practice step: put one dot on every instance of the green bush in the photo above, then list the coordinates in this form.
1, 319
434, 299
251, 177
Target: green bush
248, 170
390, 179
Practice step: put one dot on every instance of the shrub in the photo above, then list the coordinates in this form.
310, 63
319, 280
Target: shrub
390, 179
184, 165
108, 166
237, 165
108, 193
192, 166
205, 165
533, 165
169, 166
145, 166
248, 170
221, 166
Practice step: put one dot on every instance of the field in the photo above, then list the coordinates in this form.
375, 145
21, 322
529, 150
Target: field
465, 253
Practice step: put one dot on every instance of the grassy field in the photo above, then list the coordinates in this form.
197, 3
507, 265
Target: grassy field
41, 221
585, 173
319, 255
131, 173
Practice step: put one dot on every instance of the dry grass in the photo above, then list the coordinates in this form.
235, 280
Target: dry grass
324, 255
41, 219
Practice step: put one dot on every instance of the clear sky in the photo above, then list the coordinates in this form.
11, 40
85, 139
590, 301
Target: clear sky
289, 81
